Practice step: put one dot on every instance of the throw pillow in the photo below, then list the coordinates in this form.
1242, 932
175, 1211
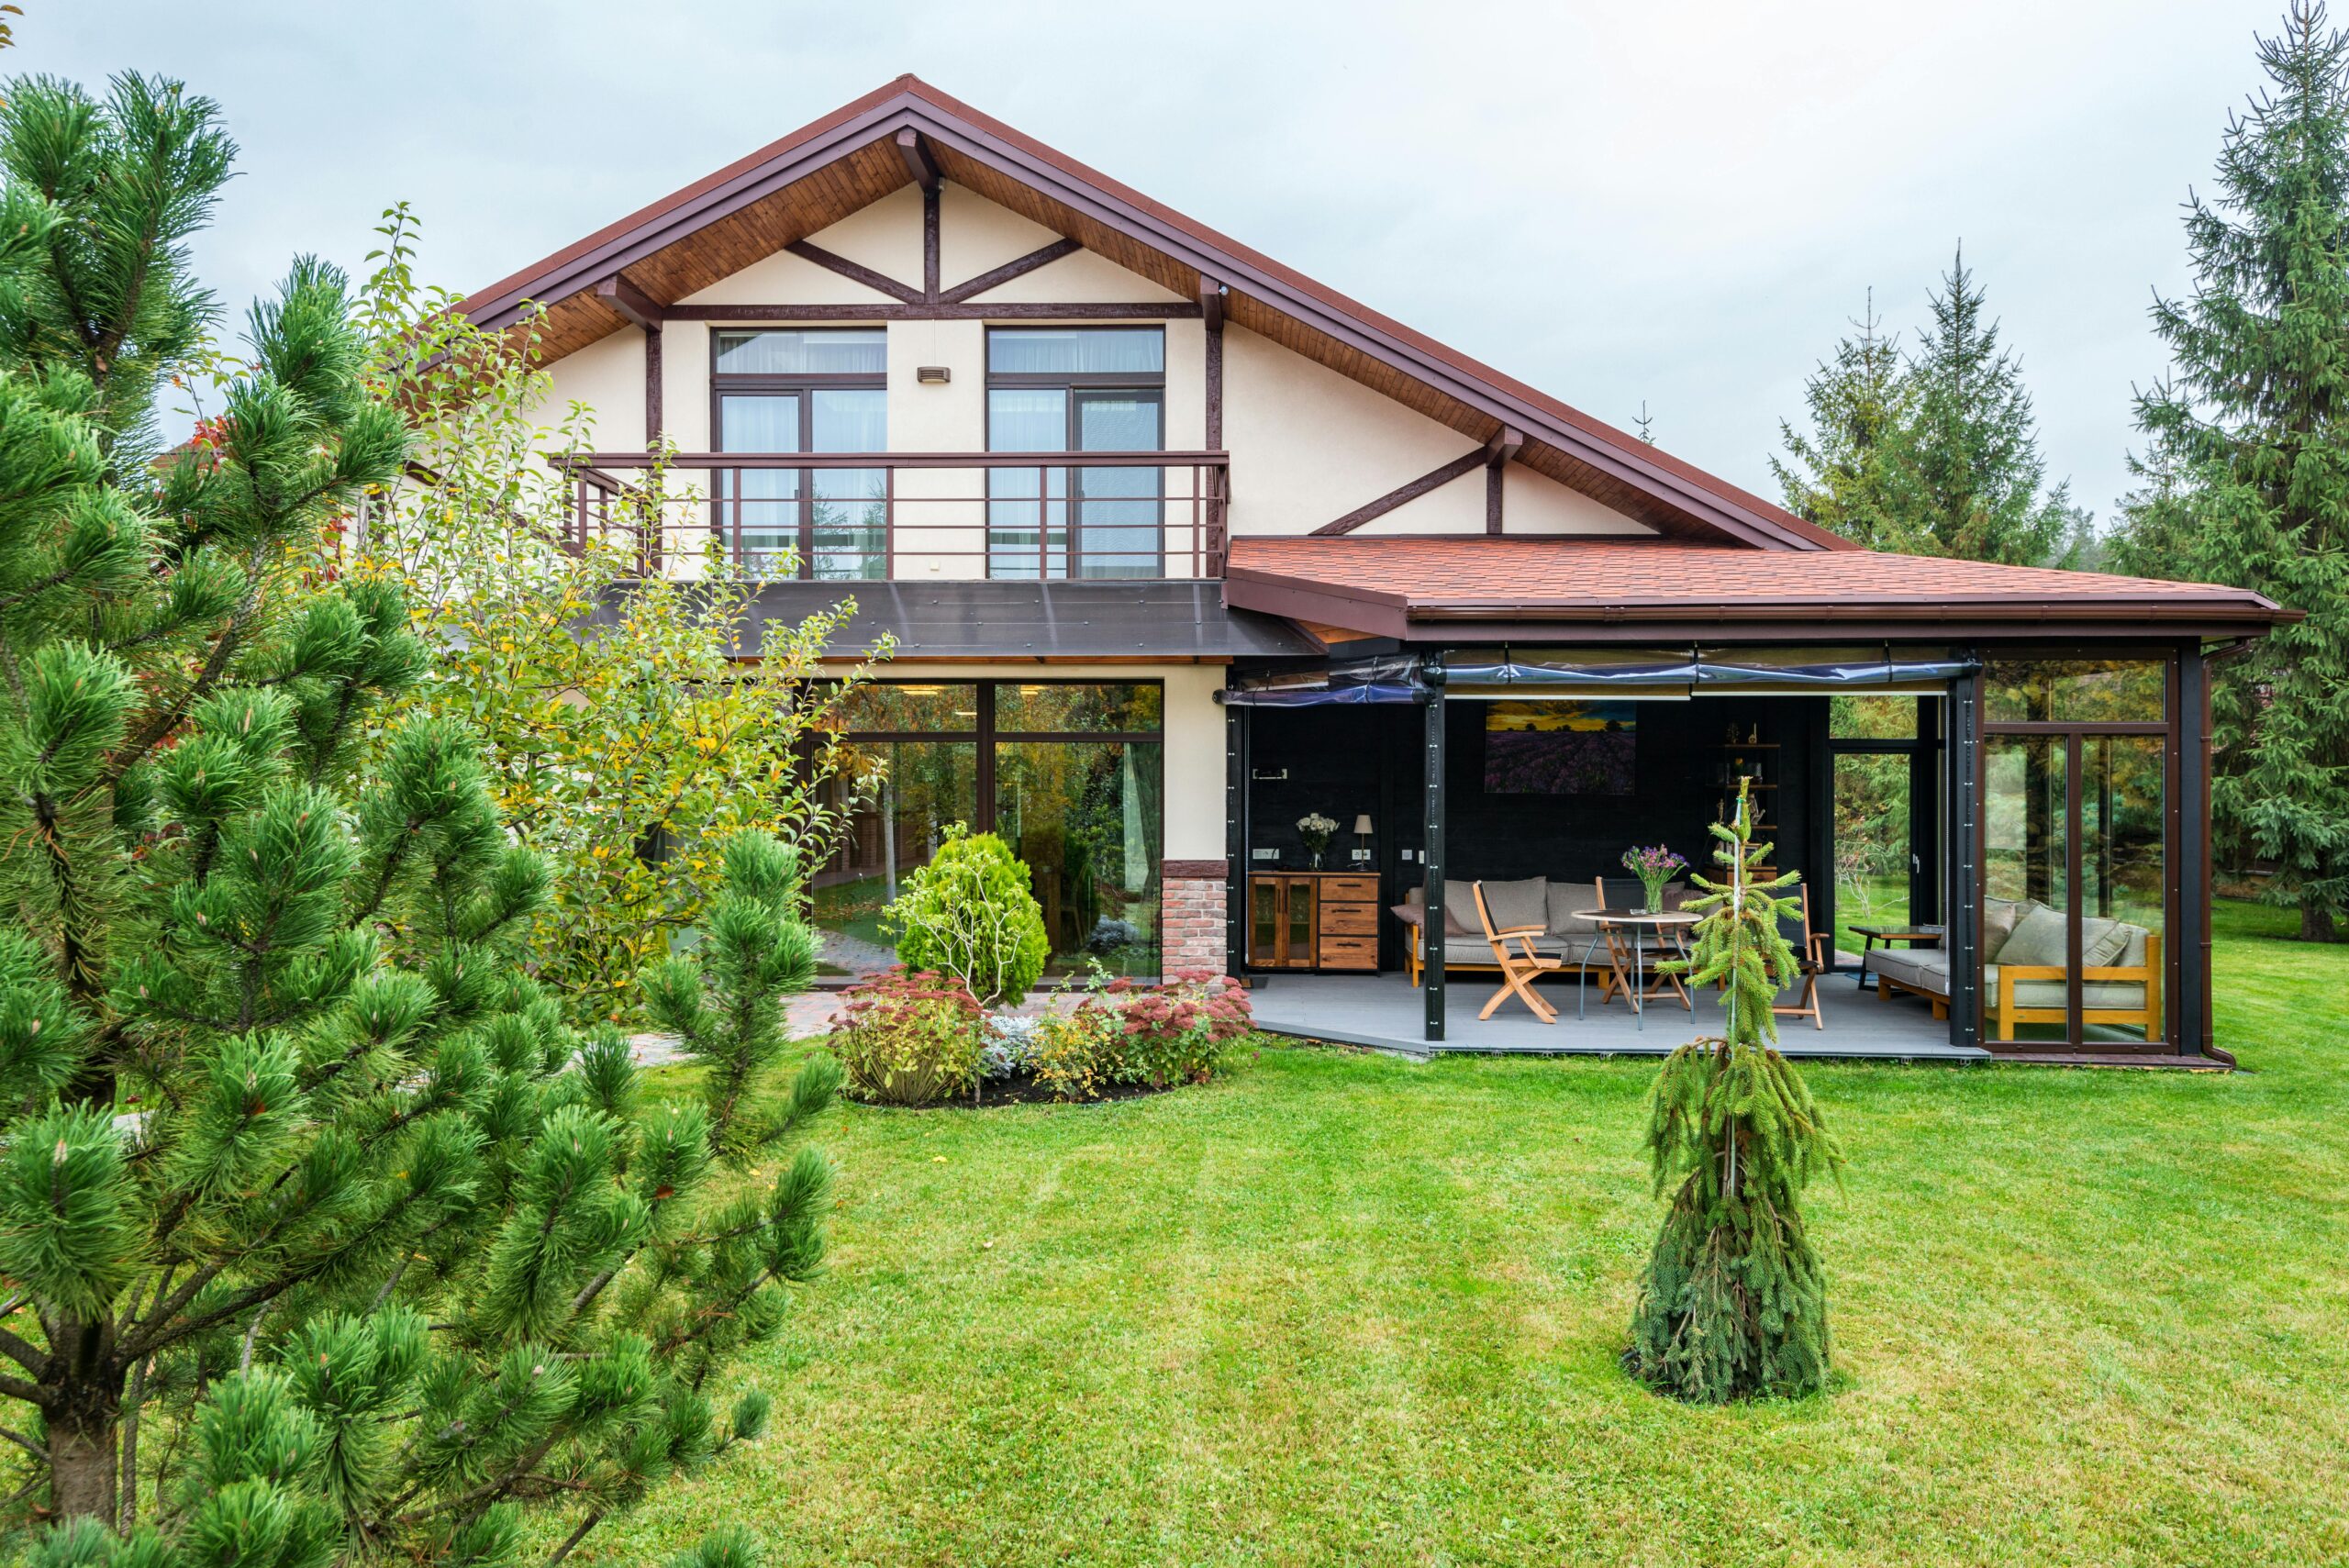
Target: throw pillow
2039, 940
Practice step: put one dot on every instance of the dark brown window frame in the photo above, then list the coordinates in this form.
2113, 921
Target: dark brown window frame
985, 738
736, 384
1072, 382
2169, 730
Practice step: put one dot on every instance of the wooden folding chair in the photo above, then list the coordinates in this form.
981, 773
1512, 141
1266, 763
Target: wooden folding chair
1811, 962
1519, 967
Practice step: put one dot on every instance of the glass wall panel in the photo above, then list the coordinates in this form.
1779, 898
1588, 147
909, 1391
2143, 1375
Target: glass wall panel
838, 351
2124, 895
851, 505
2026, 928
1086, 816
887, 705
2075, 691
1872, 847
1059, 707
1117, 508
899, 797
1855, 718
1076, 350
1027, 507
763, 504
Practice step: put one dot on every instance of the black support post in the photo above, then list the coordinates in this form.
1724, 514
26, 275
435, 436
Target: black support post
1432, 942
1962, 895
1236, 738
2191, 1014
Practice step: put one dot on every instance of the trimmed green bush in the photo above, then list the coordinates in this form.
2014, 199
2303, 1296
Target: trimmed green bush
969, 914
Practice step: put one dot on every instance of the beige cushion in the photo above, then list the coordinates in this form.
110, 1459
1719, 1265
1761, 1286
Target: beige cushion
1459, 909
1525, 902
1570, 907
2040, 939
1999, 918
2103, 941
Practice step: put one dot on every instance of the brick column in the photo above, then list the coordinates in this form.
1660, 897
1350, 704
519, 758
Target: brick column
1191, 915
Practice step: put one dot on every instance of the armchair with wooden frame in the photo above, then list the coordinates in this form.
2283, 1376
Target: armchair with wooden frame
1519, 964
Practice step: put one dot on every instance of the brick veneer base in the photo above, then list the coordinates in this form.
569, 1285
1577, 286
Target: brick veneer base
1191, 922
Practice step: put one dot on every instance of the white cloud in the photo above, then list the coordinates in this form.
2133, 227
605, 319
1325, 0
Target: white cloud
1676, 203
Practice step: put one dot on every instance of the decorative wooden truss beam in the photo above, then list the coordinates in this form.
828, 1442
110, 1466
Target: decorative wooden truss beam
633, 304
1491, 455
944, 310
1020, 267
1498, 454
855, 272
918, 163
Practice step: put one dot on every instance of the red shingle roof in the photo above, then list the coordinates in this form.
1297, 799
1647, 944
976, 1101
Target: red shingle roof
1385, 585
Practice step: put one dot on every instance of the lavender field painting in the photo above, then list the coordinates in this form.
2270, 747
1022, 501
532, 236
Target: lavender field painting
1560, 748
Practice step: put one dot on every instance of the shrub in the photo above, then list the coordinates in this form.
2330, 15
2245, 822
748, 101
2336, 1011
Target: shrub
1127, 1032
909, 1037
1175, 1032
969, 914
1009, 1049
1073, 1051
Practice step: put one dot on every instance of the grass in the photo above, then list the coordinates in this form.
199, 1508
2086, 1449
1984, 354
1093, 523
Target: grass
1342, 1309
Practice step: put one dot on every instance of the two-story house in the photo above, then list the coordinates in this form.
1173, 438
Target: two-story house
1181, 548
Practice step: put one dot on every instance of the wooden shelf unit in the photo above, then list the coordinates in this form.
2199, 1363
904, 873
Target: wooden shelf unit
1312, 920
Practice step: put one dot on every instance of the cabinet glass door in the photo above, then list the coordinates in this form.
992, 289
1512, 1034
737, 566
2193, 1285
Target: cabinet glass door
1299, 922
1263, 919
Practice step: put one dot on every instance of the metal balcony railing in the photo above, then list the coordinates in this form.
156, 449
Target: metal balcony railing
851, 516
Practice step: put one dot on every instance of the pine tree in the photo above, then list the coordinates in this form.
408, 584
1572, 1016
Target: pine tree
1841, 476
1733, 1302
2250, 439
1969, 470
321, 1236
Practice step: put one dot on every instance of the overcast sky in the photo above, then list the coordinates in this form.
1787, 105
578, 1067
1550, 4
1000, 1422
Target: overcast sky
1677, 203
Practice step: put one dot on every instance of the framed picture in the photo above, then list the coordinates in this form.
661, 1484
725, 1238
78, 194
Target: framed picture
1561, 747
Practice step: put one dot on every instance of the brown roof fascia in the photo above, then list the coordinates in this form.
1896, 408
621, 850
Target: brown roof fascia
1391, 615
909, 103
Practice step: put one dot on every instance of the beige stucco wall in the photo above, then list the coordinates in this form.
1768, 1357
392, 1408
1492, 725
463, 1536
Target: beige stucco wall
1307, 444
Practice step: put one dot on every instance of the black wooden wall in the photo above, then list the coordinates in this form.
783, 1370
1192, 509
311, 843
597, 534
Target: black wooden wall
1346, 761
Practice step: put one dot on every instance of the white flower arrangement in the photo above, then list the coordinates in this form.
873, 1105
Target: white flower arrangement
1315, 829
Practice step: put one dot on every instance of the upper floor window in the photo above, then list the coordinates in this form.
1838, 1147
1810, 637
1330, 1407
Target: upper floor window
815, 390
830, 351
1075, 389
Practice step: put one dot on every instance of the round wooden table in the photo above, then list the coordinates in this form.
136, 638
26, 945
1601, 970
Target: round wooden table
1636, 921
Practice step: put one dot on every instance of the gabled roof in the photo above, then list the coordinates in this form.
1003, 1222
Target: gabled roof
849, 159
1447, 588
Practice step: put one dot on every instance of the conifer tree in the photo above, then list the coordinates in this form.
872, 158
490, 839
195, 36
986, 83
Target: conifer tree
322, 1238
1733, 1302
1968, 482
1841, 475
2247, 482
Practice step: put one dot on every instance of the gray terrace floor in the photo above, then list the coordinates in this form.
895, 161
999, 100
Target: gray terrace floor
1385, 1011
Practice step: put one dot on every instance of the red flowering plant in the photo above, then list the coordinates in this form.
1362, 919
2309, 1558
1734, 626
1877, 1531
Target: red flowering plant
909, 1037
1175, 1031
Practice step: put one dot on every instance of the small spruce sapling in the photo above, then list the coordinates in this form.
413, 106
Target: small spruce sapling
1733, 1302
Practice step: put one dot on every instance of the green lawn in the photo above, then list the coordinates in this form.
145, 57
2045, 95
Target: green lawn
1342, 1309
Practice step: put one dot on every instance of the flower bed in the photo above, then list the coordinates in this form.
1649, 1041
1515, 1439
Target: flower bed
915, 1038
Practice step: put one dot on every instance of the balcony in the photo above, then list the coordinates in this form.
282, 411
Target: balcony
909, 516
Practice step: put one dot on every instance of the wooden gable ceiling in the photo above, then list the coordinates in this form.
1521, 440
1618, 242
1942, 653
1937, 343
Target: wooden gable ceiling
849, 158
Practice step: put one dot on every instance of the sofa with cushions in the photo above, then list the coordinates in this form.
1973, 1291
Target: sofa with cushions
1561, 910
2025, 976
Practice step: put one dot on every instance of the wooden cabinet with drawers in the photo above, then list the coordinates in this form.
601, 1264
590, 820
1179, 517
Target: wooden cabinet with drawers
1312, 920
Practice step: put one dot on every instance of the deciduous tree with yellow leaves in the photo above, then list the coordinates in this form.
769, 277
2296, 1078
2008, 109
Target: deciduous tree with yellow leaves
625, 738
